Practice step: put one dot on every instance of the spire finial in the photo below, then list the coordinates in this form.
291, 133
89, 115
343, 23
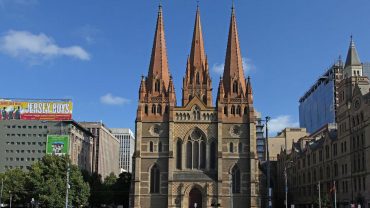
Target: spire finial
197, 4
160, 4
232, 6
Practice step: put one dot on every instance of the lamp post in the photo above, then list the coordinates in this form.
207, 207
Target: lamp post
10, 199
269, 203
67, 185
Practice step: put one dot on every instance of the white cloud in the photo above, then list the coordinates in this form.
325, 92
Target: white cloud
247, 66
279, 123
25, 45
110, 99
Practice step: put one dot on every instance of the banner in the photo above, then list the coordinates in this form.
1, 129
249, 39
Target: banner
57, 145
35, 109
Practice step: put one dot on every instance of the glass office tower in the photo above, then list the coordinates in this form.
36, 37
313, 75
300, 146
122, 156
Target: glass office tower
318, 105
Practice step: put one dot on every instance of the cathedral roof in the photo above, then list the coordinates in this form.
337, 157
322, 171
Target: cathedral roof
352, 56
197, 54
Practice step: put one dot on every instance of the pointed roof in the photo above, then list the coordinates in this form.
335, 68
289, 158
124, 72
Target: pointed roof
197, 54
352, 56
158, 67
233, 60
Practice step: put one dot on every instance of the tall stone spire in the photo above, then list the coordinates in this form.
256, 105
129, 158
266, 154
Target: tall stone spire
197, 81
233, 71
353, 66
197, 54
158, 68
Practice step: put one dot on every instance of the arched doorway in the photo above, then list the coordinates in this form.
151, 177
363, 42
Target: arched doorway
195, 198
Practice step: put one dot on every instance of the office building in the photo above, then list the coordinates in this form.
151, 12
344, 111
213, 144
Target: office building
126, 149
105, 149
284, 140
195, 154
319, 104
23, 142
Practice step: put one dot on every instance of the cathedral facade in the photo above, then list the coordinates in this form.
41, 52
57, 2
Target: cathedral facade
197, 154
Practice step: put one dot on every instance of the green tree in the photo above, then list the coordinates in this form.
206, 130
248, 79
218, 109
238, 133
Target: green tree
108, 191
14, 185
122, 189
47, 183
96, 189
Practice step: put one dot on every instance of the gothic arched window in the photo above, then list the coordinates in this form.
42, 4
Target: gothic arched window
154, 179
166, 109
197, 78
235, 173
204, 99
225, 110
196, 113
213, 155
240, 147
157, 85
245, 110
233, 110
238, 110
235, 87
159, 109
178, 154
196, 151
153, 109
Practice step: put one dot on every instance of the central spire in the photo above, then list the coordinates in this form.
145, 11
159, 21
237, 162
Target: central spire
233, 71
197, 55
158, 68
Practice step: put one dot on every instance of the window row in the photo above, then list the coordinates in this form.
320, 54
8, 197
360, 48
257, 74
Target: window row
21, 159
20, 167
235, 110
26, 135
24, 143
25, 127
156, 109
25, 151
159, 147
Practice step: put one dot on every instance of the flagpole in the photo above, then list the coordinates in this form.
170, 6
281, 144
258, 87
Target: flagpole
335, 195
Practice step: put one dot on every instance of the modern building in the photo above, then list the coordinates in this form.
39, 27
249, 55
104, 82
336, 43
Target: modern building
334, 158
260, 136
318, 105
22, 142
126, 149
284, 140
105, 149
195, 154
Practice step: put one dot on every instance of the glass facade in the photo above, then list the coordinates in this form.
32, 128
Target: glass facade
317, 107
366, 70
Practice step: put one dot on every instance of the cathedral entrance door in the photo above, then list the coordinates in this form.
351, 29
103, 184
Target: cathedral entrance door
195, 198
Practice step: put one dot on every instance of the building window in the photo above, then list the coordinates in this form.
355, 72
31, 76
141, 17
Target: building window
151, 146
235, 179
197, 78
159, 109
153, 109
231, 147
235, 87
225, 110
233, 110
146, 109
154, 179
157, 86
179, 154
238, 110
189, 155
245, 110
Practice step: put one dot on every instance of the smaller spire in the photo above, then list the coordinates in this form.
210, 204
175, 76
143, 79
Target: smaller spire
352, 56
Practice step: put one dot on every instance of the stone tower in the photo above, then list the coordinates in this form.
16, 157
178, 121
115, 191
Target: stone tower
195, 155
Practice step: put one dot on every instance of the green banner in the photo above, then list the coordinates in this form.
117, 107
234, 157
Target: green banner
57, 145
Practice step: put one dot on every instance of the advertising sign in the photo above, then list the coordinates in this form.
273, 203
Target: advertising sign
57, 145
35, 109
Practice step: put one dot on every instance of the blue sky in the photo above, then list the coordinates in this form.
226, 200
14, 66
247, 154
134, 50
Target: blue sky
94, 51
